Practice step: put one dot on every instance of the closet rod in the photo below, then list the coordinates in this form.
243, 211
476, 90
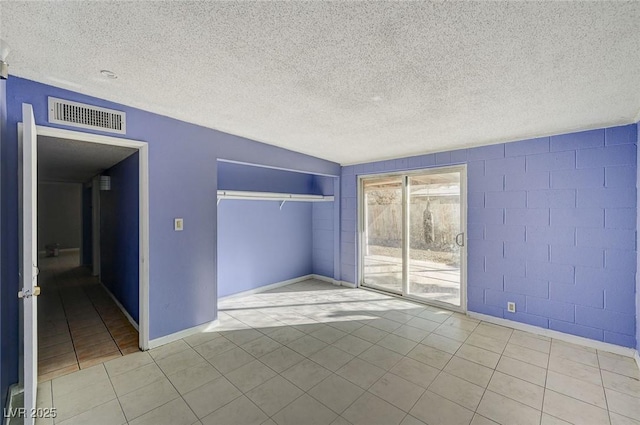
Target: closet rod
272, 196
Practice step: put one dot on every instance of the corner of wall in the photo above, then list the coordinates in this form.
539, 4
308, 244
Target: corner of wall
119, 244
4, 384
637, 252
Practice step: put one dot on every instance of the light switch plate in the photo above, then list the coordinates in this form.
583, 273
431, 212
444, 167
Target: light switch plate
178, 224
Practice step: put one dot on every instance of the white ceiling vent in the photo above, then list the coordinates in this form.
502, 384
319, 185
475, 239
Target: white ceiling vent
76, 114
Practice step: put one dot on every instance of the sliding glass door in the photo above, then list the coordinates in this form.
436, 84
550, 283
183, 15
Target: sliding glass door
413, 235
382, 244
435, 237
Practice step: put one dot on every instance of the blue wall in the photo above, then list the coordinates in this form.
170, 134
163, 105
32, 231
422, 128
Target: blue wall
119, 234
182, 183
320, 243
8, 304
551, 226
259, 179
638, 251
260, 244
323, 238
324, 185
325, 233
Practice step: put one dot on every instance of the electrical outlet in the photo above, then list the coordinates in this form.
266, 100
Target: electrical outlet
511, 307
178, 224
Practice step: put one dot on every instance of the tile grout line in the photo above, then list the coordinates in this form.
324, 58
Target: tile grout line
544, 388
604, 391
316, 319
73, 342
546, 374
324, 379
493, 371
80, 285
222, 375
279, 374
444, 366
84, 289
116, 394
174, 387
70, 337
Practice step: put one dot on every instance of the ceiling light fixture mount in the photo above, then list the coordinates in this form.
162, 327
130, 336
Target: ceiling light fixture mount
109, 74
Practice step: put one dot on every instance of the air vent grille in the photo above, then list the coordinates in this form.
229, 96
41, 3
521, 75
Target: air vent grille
86, 116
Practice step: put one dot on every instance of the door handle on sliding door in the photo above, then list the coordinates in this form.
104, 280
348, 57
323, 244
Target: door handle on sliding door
460, 239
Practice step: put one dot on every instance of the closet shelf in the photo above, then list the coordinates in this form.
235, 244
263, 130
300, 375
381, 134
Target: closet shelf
271, 196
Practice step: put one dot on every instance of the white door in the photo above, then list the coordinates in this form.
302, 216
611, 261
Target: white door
29, 258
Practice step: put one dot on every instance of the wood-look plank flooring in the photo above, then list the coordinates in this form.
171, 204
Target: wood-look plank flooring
79, 325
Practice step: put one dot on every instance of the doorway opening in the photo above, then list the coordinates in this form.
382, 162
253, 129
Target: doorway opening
88, 253
412, 235
28, 164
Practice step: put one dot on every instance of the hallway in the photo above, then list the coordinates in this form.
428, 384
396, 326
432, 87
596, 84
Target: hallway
79, 324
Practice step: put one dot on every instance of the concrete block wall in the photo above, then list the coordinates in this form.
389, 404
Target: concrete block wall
551, 226
322, 230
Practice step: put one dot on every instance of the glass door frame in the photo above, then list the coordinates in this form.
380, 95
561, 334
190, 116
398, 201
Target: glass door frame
405, 175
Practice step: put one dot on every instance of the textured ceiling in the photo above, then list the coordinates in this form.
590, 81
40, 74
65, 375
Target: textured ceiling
62, 160
345, 81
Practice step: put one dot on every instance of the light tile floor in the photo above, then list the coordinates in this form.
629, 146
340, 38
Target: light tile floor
312, 353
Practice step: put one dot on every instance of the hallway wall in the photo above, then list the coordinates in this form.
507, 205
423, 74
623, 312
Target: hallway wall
119, 234
87, 227
59, 214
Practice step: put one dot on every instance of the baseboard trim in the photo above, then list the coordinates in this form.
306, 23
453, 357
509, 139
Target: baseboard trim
211, 325
163, 340
331, 280
69, 249
324, 279
14, 390
285, 283
120, 306
334, 281
637, 358
598, 345
268, 287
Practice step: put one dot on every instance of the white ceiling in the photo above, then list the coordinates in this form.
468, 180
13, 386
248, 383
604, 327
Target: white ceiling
63, 160
345, 81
